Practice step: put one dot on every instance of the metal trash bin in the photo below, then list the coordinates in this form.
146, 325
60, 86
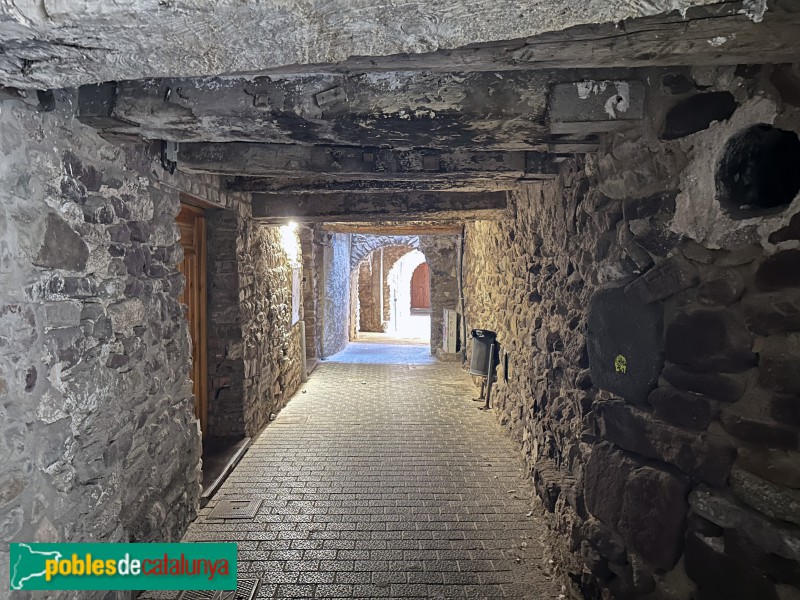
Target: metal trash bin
482, 342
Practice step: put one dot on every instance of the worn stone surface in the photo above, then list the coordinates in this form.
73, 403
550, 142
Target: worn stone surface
773, 500
779, 359
687, 409
722, 386
775, 465
707, 457
363, 499
624, 340
99, 435
334, 289
725, 511
664, 280
646, 505
441, 254
299, 34
62, 247
705, 339
706, 556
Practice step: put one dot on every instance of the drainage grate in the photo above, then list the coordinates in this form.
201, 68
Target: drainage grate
245, 590
235, 509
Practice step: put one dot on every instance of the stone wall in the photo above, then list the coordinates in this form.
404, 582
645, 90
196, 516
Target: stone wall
272, 352
650, 339
335, 292
442, 256
368, 317
311, 258
225, 343
96, 408
99, 439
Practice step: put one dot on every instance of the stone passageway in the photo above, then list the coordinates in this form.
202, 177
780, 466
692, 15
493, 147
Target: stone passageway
382, 479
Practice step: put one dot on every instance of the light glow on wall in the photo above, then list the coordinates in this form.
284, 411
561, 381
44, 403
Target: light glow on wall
291, 244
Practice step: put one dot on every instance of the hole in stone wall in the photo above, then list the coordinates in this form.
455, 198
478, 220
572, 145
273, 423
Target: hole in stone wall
696, 113
758, 173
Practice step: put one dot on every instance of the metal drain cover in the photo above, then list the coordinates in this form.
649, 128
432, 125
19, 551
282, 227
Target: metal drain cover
235, 509
245, 590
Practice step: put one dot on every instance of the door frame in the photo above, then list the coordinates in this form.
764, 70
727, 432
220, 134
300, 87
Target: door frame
200, 387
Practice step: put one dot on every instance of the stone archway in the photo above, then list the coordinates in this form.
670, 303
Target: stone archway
404, 321
369, 284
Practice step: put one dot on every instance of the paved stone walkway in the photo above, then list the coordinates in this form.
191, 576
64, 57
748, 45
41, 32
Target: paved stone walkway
381, 479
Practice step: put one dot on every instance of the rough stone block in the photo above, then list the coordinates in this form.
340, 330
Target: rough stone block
653, 515
687, 409
757, 429
705, 456
772, 464
729, 513
98, 209
646, 505
62, 248
606, 473
126, 315
709, 339
739, 547
720, 577
665, 279
740, 256
723, 287
779, 364
728, 388
773, 500
775, 312
62, 314
778, 271
624, 342
785, 408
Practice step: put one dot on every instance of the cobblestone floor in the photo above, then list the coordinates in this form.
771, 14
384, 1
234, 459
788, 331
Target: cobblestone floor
381, 479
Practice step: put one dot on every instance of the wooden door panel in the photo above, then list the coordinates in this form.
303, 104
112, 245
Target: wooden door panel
191, 223
421, 287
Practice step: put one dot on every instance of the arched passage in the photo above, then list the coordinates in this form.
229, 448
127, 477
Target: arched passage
407, 321
375, 289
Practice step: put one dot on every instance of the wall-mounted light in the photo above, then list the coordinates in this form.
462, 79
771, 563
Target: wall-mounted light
291, 244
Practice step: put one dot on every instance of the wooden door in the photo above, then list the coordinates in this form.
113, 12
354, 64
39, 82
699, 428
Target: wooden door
192, 225
421, 288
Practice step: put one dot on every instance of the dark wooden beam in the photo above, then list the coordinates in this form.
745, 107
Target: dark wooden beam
393, 228
715, 34
398, 110
258, 160
371, 207
322, 184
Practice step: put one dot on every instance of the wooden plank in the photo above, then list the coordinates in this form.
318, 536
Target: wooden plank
324, 184
426, 228
191, 223
260, 160
398, 206
595, 106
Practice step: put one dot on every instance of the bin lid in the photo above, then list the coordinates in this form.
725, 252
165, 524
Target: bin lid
481, 333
